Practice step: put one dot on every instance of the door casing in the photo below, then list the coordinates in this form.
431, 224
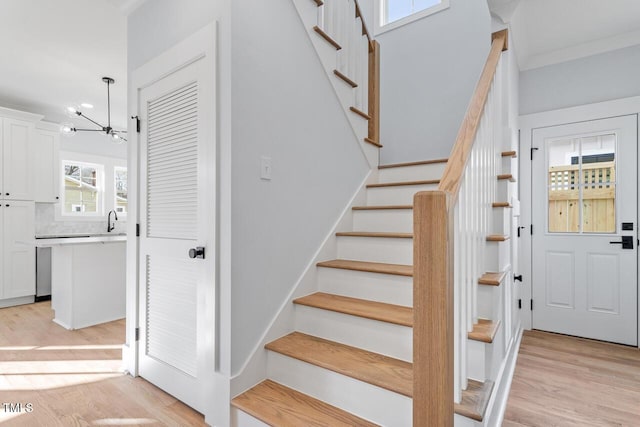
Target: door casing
202, 43
527, 123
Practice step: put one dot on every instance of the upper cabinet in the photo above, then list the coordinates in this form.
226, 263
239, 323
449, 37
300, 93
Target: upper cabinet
47, 166
17, 159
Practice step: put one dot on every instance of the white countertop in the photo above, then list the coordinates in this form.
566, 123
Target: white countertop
71, 239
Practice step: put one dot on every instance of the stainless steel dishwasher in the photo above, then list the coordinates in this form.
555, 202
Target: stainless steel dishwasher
43, 274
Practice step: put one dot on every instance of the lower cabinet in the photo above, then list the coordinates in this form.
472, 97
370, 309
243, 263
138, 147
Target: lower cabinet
17, 252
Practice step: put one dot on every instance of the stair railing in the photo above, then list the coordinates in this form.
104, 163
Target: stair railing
450, 230
358, 56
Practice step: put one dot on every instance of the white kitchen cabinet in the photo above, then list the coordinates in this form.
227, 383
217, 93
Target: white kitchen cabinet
47, 166
17, 159
17, 256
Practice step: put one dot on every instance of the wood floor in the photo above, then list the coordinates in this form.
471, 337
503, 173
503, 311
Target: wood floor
74, 378
565, 381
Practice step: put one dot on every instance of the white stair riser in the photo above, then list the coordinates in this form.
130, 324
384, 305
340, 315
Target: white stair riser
476, 360
372, 335
503, 190
367, 401
501, 221
239, 418
460, 421
395, 220
497, 255
411, 173
396, 195
372, 286
488, 297
376, 249
507, 165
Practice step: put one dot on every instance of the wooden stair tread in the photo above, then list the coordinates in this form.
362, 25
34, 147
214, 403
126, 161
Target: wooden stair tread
402, 183
375, 234
423, 162
492, 279
475, 400
327, 37
381, 207
277, 405
360, 113
390, 313
371, 267
372, 142
346, 79
502, 205
319, 2
382, 371
485, 330
509, 154
507, 176
497, 238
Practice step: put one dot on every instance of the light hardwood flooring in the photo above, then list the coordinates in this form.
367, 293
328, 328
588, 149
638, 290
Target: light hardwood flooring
74, 378
569, 382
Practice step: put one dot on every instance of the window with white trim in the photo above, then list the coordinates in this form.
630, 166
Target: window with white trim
395, 13
120, 190
83, 188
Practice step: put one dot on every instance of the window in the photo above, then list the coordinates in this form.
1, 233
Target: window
395, 13
581, 184
91, 186
82, 188
120, 182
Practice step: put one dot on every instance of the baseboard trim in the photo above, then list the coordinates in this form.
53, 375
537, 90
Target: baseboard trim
498, 402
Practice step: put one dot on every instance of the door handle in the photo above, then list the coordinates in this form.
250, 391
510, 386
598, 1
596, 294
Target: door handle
197, 252
626, 242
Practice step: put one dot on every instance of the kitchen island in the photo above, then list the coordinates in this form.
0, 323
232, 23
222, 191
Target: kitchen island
87, 278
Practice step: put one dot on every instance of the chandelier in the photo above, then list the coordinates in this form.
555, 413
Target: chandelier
69, 129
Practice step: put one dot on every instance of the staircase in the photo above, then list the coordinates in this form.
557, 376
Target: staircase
351, 351
358, 353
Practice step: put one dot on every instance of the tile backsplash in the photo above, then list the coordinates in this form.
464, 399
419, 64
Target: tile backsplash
46, 223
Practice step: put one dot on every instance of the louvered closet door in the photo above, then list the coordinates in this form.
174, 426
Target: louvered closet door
174, 164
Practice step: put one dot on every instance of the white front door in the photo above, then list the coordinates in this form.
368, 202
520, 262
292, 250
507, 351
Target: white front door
177, 214
584, 198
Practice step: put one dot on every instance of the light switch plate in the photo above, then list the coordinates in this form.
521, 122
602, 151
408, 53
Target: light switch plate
265, 168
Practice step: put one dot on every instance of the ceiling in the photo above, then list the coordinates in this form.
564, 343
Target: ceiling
56, 52
552, 31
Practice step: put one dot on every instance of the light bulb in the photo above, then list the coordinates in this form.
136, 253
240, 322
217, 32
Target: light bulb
115, 138
72, 112
67, 129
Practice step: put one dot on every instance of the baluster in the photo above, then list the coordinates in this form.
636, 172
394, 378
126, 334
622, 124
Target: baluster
341, 13
329, 22
458, 307
321, 16
356, 65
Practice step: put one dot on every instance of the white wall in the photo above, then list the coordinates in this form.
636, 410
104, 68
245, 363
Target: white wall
275, 100
284, 107
93, 143
429, 69
597, 78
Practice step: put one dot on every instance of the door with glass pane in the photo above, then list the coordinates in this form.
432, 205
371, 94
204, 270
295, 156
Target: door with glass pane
584, 191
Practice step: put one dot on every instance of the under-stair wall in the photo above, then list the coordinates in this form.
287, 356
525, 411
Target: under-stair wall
283, 107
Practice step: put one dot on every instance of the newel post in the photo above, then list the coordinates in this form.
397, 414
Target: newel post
433, 334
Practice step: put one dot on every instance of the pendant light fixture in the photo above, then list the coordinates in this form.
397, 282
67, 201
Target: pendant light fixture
69, 129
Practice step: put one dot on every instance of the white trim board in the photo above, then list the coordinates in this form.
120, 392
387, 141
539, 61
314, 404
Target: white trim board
529, 122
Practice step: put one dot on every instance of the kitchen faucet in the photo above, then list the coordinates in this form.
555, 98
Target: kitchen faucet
109, 226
